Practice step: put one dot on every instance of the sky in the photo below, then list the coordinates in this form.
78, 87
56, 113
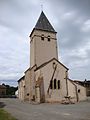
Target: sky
71, 20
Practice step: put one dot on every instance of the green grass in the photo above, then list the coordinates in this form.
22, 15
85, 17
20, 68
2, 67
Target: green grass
5, 115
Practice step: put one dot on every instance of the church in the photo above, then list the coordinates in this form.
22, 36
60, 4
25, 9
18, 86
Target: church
47, 79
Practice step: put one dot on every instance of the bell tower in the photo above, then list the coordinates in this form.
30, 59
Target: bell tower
43, 42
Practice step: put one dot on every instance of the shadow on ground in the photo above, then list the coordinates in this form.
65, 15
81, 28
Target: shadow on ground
2, 104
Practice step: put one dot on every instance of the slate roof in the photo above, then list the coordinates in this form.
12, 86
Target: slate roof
44, 24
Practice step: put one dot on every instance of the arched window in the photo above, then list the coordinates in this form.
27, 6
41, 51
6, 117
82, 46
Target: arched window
42, 37
49, 38
78, 90
51, 84
54, 83
58, 84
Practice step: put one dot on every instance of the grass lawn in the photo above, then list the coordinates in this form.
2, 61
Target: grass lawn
5, 115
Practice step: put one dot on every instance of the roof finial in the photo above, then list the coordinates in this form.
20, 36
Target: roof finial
41, 5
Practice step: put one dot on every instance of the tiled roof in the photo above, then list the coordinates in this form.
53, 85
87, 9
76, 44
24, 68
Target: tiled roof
44, 24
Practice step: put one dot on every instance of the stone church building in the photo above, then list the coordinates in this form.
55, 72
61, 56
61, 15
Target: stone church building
47, 78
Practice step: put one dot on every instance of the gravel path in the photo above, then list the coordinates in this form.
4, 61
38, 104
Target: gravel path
26, 111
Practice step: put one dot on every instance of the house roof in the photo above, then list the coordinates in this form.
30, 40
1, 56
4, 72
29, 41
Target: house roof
2, 87
83, 83
49, 62
76, 82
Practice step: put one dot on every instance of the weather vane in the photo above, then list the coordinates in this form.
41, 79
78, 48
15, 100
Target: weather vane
41, 5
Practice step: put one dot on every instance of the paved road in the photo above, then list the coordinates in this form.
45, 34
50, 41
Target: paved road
26, 111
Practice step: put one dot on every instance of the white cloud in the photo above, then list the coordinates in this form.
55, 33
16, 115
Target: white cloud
79, 63
69, 15
86, 26
79, 21
82, 51
10, 76
14, 54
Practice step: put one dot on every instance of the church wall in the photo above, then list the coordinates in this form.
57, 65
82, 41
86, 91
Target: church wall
81, 92
72, 91
32, 53
47, 72
43, 50
32, 83
27, 85
60, 74
21, 89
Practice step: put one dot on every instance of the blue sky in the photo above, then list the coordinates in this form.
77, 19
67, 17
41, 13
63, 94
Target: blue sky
71, 20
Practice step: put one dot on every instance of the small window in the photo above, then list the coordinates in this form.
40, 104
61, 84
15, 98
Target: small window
42, 37
51, 84
27, 94
58, 84
54, 64
78, 90
49, 38
54, 83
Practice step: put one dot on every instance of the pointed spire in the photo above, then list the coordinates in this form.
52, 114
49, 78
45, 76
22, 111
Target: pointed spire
44, 24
